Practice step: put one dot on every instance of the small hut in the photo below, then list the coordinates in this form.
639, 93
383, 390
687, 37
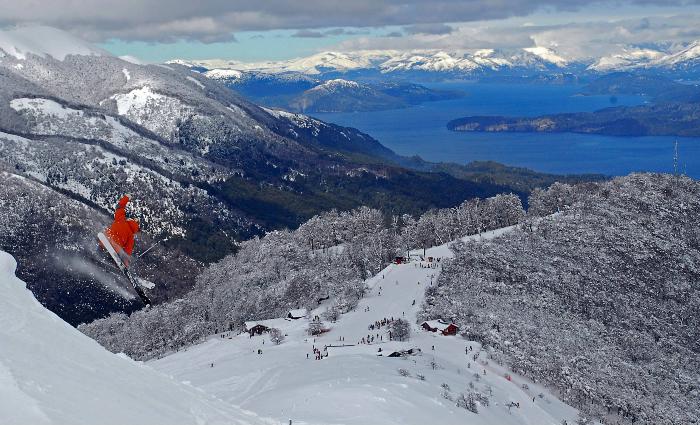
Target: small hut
440, 326
255, 328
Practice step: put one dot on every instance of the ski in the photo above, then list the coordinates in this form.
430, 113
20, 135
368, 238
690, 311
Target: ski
134, 281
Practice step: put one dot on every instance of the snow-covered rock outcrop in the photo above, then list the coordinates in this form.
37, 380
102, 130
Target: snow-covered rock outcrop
52, 374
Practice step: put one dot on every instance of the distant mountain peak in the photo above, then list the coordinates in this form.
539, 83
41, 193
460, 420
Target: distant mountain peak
547, 55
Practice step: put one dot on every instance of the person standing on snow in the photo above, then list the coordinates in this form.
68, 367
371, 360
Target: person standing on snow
122, 232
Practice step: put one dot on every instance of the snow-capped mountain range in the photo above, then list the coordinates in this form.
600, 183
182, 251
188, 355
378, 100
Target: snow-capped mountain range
473, 63
685, 58
395, 61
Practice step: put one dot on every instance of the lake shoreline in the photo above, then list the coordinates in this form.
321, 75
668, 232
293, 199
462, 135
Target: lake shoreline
422, 130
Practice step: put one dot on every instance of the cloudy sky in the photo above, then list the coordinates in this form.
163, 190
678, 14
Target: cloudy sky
156, 30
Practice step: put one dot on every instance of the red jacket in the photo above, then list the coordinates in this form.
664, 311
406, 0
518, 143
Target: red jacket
122, 231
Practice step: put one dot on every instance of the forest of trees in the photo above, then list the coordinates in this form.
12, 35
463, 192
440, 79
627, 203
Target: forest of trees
600, 301
329, 256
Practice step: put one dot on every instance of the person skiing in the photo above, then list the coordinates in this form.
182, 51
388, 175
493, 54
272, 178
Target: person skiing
122, 232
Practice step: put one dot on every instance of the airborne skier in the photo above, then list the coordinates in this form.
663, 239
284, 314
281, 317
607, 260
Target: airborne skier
122, 232
119, 239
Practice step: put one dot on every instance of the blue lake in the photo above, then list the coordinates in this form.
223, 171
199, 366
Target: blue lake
421, 130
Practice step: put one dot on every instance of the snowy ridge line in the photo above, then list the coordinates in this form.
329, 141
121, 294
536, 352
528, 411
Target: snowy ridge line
65, 192
94, 111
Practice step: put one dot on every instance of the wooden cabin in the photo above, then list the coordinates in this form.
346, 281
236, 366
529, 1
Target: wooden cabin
440, 326
255, 328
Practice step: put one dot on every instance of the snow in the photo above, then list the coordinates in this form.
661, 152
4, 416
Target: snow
547, 55
388, 61
298, 313
640, 58
131, 59
180, 62
45, 106
688, 54
356, 384
194, 80
627, 59
44, 41
221, 74
336, 84
126, 74
50, 373
136, 99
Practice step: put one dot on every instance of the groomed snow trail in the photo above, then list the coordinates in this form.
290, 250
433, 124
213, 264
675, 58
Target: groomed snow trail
355, 386
50, 373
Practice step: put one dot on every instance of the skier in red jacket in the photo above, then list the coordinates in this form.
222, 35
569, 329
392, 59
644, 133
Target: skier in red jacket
122, 231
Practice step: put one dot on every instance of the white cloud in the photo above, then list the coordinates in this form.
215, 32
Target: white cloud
216, 20
573, 41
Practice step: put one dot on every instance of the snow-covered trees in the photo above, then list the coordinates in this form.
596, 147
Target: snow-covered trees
400, 330
601, 301
437, 227
556, 198
315, 328
276, 336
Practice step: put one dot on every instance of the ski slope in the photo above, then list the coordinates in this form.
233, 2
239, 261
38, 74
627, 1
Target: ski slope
52, 374
353, 385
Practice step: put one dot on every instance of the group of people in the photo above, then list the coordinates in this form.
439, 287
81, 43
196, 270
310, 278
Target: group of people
318, 354
378, 324
369, 339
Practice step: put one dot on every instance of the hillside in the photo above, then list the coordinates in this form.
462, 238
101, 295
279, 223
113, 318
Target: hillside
301, 93
52, 374
661, 119
600, 301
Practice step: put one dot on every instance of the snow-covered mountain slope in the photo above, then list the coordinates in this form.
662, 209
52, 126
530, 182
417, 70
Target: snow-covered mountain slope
678, 59
687, 57
547, 55
310, 65
42, 41
627, 59
358, 383
52, 374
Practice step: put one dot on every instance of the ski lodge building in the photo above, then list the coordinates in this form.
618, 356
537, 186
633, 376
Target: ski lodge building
440, 326
256, 328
